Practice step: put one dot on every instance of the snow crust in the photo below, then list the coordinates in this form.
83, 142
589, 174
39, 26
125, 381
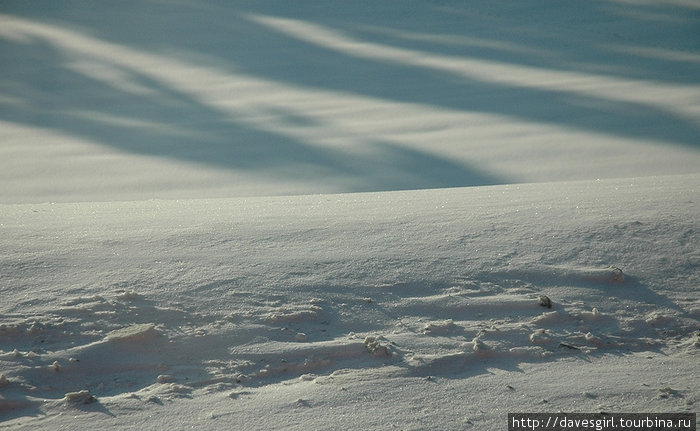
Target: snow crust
361, 215
190, 312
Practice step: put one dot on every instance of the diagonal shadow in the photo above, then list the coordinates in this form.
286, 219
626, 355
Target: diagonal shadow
37, 86
173, 124
521, 36
347, 59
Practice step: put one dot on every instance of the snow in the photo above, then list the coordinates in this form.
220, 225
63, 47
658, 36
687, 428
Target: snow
366, 216
396, 297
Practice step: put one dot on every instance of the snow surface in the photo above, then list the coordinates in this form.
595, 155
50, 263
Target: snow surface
191, 99
508, 219
418, 309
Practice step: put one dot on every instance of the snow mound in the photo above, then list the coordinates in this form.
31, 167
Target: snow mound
134, 333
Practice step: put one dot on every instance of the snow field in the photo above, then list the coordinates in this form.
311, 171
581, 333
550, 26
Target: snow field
524, 238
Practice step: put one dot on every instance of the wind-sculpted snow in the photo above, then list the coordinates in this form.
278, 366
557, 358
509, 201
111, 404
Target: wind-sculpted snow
450, 332
148, 305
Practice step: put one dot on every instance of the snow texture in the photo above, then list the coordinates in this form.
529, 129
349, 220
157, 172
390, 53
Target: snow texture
257, 215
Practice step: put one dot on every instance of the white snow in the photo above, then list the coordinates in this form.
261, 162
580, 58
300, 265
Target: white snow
361, 215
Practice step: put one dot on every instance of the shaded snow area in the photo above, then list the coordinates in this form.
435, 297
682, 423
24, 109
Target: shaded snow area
285, 215
104, 101
435, 309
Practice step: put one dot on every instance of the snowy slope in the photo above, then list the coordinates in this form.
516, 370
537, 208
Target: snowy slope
409, 309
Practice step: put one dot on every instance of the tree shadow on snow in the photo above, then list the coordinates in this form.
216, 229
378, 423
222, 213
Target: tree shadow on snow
161, 120
378, 58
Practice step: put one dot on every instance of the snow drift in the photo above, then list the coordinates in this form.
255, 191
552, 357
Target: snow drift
159, 306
